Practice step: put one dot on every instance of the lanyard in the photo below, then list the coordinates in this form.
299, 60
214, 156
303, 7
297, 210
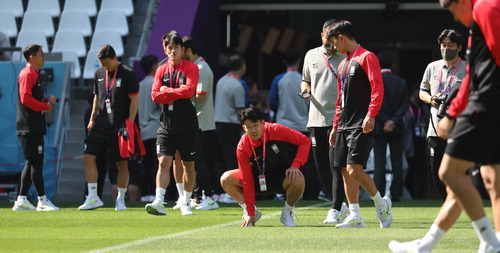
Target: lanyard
343, 78
263, 170
451, 78
108, 89
292, 70
233, 76
419, 115
328, 65
171, 74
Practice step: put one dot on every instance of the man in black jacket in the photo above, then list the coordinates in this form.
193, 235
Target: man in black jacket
389, 127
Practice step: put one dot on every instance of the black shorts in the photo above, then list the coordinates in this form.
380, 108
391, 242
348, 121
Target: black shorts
352, 147
476, 135
97, 143
167, 144
274, 181
32, 146
133, 170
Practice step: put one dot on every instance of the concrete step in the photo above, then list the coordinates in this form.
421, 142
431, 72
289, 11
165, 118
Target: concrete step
74, 164
135, 29
78, 107
72, 149
75, 134
69, 175
76, 120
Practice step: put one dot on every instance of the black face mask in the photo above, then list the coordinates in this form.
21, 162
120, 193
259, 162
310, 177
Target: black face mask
329, 48
449, 54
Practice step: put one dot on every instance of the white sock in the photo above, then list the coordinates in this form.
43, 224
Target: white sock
484, 231
432, 237
21, 198
121, 193
42, 198
354, 208
92, 189
288, 208
498, 235
180, 189
187, 196
244, 206
160, 195
377, 199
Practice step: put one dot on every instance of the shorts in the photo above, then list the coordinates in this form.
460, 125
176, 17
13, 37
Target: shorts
167, 144
32, 146
133, 170
352, 147
274, 181
475, 136
97, 144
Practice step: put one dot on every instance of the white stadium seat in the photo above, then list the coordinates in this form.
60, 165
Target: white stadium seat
51, 6
88, 6
70, 56
112, 20
70, 41
121, 5
8, 24
75, 20
114, 39
39, 21
27, 38
91, 64
14, 6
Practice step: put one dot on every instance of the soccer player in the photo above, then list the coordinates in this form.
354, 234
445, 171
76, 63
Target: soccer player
30, 129
265, 166
115, 101
475, 136
175, 83
360, 95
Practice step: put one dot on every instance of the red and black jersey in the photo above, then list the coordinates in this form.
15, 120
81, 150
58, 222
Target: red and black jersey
173, 87
119, 89
31, 102
277, 138
482, 82
360, 89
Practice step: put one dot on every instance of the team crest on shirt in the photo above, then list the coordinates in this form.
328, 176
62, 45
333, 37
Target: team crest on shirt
119, 82
275, 148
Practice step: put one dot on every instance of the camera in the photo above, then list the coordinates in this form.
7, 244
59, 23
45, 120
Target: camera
443, 102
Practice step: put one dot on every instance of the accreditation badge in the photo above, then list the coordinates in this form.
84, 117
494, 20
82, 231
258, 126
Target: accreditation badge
108, 105
262, 183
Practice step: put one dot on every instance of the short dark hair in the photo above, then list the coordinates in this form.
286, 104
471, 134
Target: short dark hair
253, 114
172, 38
446, 3
342, 27
106, 51
172, 32
189, 44
31, 50
235, 62
328, 24
452, 34
292, 56
147, 62
386, 59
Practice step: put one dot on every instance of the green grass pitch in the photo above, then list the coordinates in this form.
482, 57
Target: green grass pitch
105, 230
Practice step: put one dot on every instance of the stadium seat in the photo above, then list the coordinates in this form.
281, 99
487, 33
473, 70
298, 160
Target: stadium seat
70, 41
112, 20
88, 6
14, 6
26, 38
75, 20
51, 6
38, 21
91, 64
101, 38
70, 56
120, 5
8, 21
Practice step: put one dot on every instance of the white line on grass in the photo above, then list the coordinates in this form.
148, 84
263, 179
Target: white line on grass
188, 232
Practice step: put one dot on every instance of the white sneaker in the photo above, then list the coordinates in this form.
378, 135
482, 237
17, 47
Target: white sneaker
225, 198
216, 197
406, 247
352, 221
156, 208
258, 214
186, 209
178, 203
91, 203
337, 217
46, 206
287, 218
23, 205
207, 204
486, 248
384, 214
145, 199
120, 205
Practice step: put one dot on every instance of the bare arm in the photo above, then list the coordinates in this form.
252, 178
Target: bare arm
134, 104
95, 106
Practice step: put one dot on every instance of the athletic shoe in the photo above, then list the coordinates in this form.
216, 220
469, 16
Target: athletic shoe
207, 204
337, 217
406, 247
323, 196
225, 198
194, 203
178, 203
156, 209
486, 248
287, 218
46, 206
258, 214
91, 203
186, 209
23, 205
279, 197
120, 205
352, 221
216, 197
384, 214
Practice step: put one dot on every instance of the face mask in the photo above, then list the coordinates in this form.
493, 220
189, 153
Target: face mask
329, 48
449, 54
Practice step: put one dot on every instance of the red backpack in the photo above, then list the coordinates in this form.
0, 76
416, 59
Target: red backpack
130, 141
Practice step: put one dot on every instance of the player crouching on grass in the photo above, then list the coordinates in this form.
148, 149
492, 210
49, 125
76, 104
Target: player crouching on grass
265, 166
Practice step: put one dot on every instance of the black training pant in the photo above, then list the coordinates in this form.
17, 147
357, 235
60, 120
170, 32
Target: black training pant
32, 146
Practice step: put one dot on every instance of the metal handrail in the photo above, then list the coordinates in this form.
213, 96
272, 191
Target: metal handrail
146, 31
